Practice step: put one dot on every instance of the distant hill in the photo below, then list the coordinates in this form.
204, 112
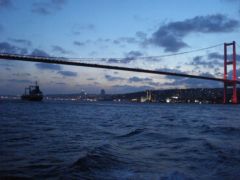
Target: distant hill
192, 95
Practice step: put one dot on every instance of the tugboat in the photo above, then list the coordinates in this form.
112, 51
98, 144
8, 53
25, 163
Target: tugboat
32, 93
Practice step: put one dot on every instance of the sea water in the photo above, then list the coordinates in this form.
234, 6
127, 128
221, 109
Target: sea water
106, 140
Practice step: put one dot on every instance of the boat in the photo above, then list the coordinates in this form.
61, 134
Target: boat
32, 93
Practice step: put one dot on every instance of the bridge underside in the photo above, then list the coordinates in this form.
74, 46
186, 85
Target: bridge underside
72, 63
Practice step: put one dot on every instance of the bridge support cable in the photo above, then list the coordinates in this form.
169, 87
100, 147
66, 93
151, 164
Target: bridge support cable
71, 63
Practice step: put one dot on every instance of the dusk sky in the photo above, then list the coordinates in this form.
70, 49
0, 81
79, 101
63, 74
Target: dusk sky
121, 32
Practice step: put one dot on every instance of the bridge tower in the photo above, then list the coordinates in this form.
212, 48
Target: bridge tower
230, 82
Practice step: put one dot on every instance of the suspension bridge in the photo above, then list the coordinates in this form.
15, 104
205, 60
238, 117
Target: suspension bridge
227, 82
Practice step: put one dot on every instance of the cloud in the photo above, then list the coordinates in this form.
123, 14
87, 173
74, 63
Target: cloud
22, 42
21, 74
78, 43
93, 53
170, 36
126, 40
221, 56
211, 63
155, 84
116, 41
103, 40
112, 60
100, 41
78, 29
41, 8
60, 83
147, 81
134, 54
215, 56
230, 74
40, 53
113, 78
127, 88
60, 49
172, 71
5, 47
195, 83
137, 79
189, 82
45, 66
6, 64
131, 56
141, 35
67, 73
19, 81
48, 7
5, 3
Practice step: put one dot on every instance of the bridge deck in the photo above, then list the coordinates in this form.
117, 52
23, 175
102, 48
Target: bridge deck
62, 61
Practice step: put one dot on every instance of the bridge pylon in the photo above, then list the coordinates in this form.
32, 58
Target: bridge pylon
230, 82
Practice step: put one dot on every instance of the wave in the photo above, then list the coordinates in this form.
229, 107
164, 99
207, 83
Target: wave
176, 175
182, 139
156, 135
210, 146
99, 158
15, 178
132, 133
221, 130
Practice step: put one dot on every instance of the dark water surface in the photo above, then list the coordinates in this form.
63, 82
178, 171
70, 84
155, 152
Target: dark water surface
73, 140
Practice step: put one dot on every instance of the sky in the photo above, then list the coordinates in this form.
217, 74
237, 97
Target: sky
131, 33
